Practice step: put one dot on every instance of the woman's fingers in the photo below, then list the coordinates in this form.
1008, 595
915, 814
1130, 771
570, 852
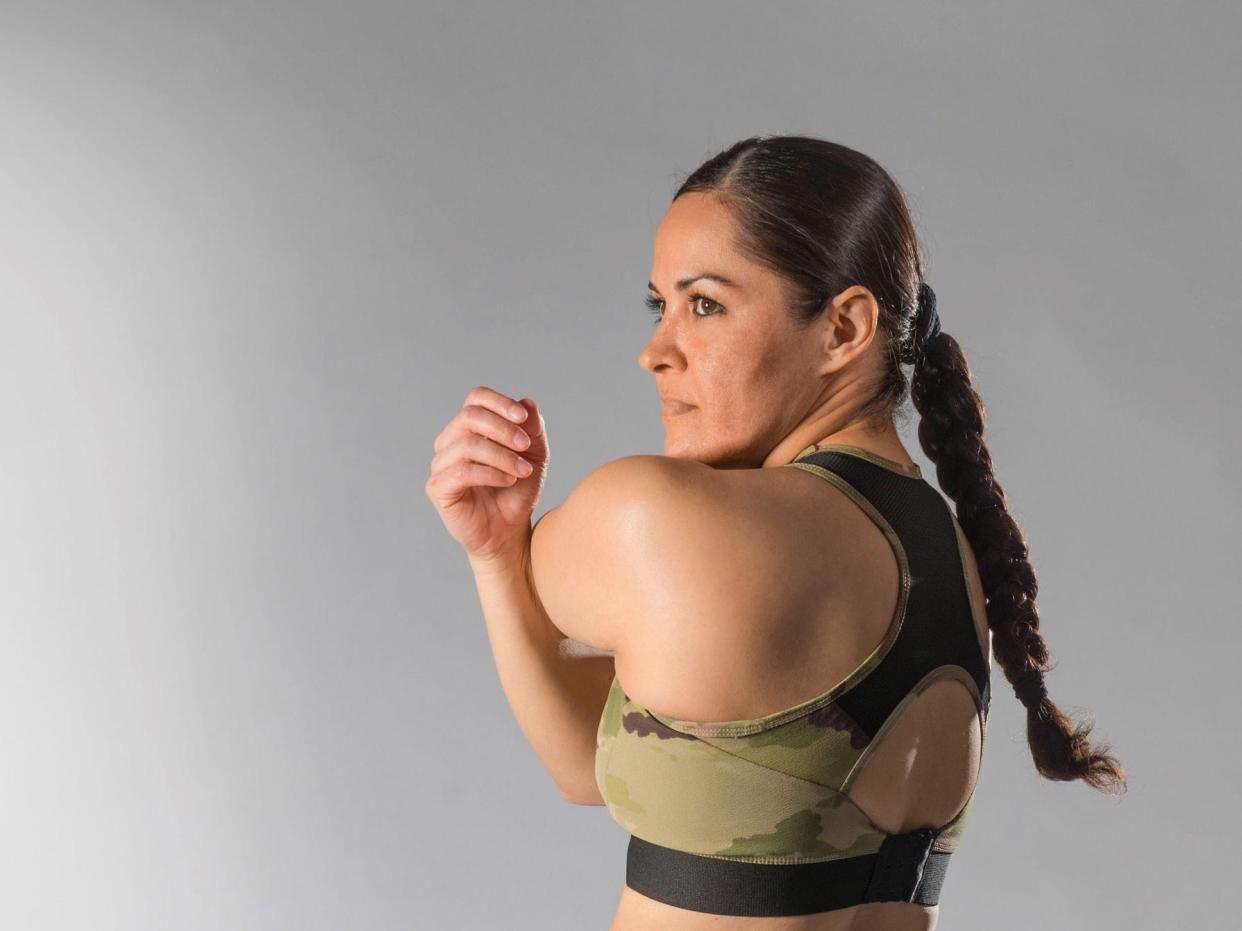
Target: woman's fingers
473, 460
470, 474
481, 419
479, 434
487, 423
475, 448
502, 404
482, 445
473, 419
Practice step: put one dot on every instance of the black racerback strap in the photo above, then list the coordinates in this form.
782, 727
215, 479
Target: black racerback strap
938, 627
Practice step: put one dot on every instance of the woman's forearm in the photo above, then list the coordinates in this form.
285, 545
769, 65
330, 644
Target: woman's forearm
556, 697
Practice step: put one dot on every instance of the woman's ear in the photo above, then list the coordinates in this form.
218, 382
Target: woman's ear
848, 326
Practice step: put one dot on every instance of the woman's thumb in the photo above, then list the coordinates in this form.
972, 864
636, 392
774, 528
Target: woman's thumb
535, 428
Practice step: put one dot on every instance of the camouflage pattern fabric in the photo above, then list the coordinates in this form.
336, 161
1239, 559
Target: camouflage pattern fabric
776, 794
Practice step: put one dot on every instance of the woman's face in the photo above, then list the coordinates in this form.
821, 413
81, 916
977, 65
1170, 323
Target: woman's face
726, 349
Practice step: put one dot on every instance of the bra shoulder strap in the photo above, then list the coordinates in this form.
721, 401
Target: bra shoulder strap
938, 625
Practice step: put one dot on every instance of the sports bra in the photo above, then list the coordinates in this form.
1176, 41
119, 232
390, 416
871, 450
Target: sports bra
752, 817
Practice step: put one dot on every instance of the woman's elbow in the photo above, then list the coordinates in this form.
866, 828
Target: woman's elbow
578, 795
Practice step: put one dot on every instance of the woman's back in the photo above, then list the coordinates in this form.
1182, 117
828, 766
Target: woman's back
840, 657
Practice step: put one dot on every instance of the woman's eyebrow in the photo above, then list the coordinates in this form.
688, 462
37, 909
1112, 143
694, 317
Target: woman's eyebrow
686, 282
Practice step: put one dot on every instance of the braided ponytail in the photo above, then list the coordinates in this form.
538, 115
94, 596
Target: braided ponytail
951, 433
926, 326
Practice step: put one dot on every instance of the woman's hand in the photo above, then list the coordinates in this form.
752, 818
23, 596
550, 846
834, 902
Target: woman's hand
482, 492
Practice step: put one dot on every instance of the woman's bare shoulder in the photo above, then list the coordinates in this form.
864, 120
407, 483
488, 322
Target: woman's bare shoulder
596, 558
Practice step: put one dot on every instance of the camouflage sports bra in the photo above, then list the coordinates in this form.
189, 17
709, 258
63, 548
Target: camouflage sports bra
752, 817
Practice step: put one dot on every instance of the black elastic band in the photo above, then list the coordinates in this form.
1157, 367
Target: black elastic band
904, 870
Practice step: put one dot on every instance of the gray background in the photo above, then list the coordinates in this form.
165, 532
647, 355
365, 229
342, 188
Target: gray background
253, 257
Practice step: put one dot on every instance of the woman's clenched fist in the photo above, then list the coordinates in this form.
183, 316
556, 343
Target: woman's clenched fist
487, 473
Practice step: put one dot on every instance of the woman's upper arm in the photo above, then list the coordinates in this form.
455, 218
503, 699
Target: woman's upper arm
591, 555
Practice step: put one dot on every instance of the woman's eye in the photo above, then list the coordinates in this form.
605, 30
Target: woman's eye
656, 306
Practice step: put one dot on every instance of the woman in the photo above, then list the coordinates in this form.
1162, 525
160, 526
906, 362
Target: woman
787, 699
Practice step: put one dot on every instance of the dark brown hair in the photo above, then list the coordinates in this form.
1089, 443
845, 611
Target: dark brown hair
826, 217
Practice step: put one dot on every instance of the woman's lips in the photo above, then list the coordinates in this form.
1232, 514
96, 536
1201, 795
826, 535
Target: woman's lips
672, 408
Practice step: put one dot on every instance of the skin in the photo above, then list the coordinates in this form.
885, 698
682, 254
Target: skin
762, 388
760, 391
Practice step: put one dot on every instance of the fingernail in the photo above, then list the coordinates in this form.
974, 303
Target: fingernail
517, 412
524, 467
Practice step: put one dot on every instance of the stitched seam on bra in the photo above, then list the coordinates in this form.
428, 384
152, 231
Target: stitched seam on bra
960, 537
612, 741
850, 449
792, 859
743, 727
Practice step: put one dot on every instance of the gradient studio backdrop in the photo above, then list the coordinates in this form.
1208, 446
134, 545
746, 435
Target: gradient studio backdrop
254, 255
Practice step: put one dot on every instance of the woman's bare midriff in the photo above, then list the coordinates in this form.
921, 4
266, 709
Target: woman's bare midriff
636, 912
